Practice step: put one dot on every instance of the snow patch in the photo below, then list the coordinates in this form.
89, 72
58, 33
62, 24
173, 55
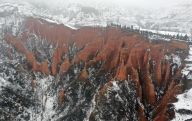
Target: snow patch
3, 83
115, 85
177, 60
185, 99
183, 103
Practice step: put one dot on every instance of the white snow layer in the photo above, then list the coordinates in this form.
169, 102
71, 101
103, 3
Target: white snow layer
185, 102
3, 83
185, 99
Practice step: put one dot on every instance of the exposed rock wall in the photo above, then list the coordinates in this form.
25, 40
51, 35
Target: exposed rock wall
125, 56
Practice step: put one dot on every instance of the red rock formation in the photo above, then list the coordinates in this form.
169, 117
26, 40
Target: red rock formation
16, 43
89, 51
44, 67
135, 77
121, 73
166, 73
52, 32
84, 74
56, 60
61, 96
127, 56
158, 72
162, 106
65, 66
141, 114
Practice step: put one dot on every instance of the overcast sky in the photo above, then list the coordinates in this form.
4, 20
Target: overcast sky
145, 3
135, 3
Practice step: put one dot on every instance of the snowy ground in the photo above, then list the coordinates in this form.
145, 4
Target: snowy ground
3, 83
48, 101
176, 19
185, 102
185, 99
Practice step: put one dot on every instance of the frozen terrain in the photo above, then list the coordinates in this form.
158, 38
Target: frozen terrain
176, 18
184, 105
167, 21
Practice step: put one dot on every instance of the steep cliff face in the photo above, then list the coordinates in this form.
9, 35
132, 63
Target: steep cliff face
127, 76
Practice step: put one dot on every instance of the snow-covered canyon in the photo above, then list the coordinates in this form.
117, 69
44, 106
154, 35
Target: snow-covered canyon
169, 22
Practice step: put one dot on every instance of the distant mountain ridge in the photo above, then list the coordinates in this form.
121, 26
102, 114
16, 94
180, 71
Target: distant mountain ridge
175, 19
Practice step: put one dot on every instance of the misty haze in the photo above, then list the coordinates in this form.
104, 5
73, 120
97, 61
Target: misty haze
95, 60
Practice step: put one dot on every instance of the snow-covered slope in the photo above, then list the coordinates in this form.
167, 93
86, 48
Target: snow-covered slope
177, 18
184, 105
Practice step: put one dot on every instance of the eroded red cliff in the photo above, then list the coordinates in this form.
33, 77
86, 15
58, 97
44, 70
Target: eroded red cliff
127, 56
